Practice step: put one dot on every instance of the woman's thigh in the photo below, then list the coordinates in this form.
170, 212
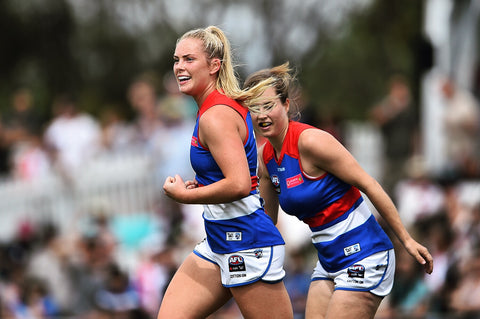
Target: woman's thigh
353, 304
195, 291
318, 299
263, 300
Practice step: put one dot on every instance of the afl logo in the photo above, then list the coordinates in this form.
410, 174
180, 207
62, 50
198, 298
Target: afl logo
357, 271
276, 182
236, 263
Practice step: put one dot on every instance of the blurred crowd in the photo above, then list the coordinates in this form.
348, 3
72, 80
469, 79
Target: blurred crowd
441, 209
81, 272
48, 272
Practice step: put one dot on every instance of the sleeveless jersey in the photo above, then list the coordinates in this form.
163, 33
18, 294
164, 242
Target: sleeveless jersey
343, 228
238, 225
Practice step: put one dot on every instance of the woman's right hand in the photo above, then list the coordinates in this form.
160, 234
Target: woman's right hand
174, 187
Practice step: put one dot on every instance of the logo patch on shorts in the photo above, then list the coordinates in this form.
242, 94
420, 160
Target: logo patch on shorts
236, 263
234, 236
258, 253
356, 271
350, 250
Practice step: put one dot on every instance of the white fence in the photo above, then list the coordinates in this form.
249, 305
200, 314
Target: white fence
120, 184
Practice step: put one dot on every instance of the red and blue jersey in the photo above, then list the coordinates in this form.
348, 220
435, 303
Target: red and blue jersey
241, 224
343, 228
203, 163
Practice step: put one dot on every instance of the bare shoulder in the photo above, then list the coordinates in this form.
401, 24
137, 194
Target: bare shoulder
314, 138
220, 110
221, 117
221, 125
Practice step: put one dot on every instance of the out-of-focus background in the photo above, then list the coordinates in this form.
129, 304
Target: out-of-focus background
91, 122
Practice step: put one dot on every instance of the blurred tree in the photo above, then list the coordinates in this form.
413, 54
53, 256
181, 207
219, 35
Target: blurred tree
35, 45
349, 72
344, 49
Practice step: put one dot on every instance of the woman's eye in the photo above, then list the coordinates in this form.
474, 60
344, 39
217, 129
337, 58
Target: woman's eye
268, 107
264, 108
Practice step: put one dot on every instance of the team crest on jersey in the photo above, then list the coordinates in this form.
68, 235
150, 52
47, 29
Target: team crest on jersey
276, 182
294, 181
236, 263
194, 141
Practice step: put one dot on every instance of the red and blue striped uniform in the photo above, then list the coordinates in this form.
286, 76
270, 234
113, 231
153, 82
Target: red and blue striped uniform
343, 228
241, 224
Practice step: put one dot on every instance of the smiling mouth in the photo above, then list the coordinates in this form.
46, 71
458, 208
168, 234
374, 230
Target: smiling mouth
183, 79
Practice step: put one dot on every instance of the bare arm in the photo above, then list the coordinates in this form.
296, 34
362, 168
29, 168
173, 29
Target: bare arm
322, 152
267, 191
222, 130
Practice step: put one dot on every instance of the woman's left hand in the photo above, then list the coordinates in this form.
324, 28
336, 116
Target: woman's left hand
191, 184
421, 254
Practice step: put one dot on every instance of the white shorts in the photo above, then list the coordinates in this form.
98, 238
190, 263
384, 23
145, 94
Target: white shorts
246, 266
374, 273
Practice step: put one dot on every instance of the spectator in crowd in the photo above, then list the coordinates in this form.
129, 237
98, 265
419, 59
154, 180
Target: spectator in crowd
177, 112
465, 297
22, 117
72, 138
31, 161
88, 271
417, 196
117, 133
20, 128
174, 105
153, 273
143, 97
49, 263
14, 256
35, 301
462, 129
117, 295
395, 116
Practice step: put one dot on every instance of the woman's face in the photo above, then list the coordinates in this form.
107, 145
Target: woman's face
272, 120
191, 67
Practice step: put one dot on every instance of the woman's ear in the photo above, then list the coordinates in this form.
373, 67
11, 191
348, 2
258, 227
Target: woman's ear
215, 65
287, 104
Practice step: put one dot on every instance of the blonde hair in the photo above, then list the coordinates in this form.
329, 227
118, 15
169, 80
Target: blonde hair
216, 45
281, 78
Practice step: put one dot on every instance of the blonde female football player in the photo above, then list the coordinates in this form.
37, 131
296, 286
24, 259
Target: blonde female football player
242, 256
